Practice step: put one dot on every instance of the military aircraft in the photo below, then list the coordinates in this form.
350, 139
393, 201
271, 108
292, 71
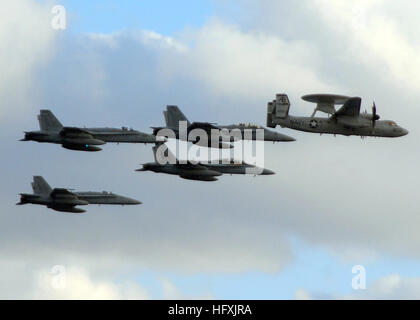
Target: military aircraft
64, 200
83, 139
347, 120
173, 115
198, 171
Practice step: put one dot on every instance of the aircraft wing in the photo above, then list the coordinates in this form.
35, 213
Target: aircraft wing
76, 137
190, 166
62, 193
206, 126
64, 197
74, 131
350, 108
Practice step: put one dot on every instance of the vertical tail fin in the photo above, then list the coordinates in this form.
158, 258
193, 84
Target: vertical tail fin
165, 114
48, 122
40, 186
278, 108
163, 155
173, 116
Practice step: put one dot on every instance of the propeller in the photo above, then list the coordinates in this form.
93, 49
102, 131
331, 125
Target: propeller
375, 116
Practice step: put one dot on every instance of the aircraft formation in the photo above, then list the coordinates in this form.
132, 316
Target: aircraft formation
346, 120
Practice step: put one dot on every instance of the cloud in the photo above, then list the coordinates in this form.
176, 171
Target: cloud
355, 198
391, 287
26, 38
375, 38
172, 292
229, 61
75, 283
302, 294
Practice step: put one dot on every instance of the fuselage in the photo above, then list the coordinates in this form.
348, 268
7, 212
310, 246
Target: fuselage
105, 198
232, 133
100, 136
205, 171
344, 125
258, 133
68, 203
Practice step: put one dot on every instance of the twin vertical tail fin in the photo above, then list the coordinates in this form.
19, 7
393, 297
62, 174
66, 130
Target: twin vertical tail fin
40, 186
278, 109
172, 117
48, 122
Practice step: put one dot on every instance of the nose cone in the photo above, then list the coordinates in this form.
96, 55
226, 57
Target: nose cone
267, 172
404, 132
283, 137
270, 135
129, 201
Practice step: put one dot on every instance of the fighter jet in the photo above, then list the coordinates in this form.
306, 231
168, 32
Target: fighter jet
347, 120
64, 200
173, 115
52, 131
198, 171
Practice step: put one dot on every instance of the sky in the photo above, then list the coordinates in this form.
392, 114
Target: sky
334, 203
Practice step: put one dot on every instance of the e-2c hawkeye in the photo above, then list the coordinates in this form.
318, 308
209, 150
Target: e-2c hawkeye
347, 120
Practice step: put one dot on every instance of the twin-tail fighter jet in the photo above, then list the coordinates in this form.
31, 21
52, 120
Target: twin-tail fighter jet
83, 139
347, 120
173, 116
63, 200
197, 171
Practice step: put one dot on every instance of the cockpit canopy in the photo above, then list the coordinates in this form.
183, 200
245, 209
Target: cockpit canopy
391, 123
